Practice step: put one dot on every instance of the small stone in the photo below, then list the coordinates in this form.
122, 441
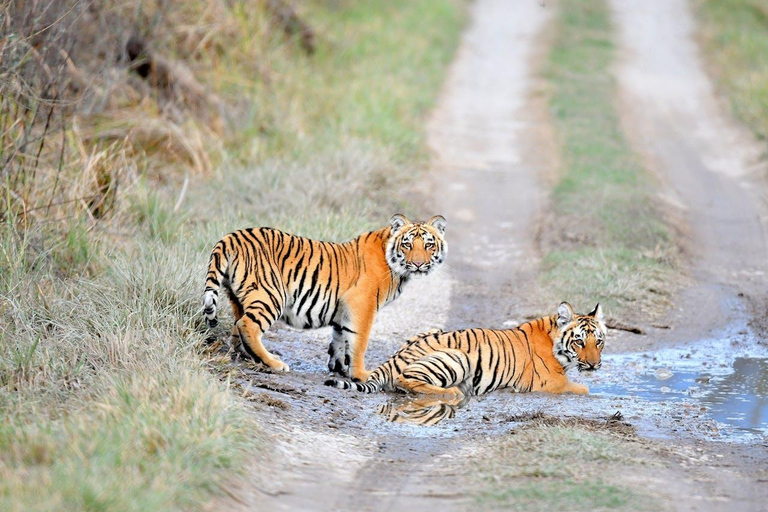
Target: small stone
663, 373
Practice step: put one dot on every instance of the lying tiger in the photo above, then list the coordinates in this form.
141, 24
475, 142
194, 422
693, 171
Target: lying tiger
531, 357
272, 275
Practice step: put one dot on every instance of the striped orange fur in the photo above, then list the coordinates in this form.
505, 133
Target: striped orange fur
272, 275
532, 357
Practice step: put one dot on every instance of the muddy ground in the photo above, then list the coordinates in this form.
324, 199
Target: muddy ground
335, 450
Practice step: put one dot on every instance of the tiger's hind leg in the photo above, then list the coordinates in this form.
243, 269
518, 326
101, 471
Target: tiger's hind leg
418, 386
256, 319
440, 373
234, 341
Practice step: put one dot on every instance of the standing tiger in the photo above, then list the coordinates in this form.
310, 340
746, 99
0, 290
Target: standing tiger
531, 357
272, 275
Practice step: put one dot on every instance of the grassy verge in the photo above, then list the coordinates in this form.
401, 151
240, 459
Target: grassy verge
345, 130
605, 239
735, 34
560, 465
106, 403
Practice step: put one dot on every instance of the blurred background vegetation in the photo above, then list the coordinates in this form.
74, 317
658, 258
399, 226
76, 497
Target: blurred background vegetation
735, 36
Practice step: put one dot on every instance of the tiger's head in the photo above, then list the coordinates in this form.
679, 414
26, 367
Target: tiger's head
581, 339
416, 248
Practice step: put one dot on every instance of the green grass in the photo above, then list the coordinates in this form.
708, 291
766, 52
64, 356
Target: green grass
106, 401
375, 75
605, 239
566, 494
559, 467
735, 34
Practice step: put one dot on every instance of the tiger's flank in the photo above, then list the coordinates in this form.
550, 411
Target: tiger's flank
270, 275
532, 357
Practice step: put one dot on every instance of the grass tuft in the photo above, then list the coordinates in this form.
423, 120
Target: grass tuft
605, 239
157, 216
558, 467
735, 34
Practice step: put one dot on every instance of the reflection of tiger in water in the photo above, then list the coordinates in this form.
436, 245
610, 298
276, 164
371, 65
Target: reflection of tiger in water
422, 411
269, 274
531, 357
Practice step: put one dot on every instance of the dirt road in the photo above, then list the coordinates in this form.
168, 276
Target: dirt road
333, 451
709, 170
707, 164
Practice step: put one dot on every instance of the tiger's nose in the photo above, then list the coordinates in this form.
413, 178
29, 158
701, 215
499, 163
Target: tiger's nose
418, 264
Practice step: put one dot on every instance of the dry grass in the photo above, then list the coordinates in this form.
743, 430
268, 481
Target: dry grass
106, 403
104, 398
341, 191
735, 34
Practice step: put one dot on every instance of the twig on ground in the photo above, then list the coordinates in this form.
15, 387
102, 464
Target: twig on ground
612, 323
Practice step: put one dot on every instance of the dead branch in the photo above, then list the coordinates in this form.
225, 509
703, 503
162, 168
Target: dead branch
173, 79
612, 323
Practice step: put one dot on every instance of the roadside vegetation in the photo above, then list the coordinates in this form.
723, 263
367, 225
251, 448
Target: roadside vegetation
126, 152
604, 239
553, 464
735, 34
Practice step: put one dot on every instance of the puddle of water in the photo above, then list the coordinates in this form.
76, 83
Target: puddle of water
732, 393
714, 388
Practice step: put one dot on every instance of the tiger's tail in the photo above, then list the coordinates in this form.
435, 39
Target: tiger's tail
218, 266
377, 381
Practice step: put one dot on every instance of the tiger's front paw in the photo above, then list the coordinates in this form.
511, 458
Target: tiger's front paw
338, 360
579, 389
278, 366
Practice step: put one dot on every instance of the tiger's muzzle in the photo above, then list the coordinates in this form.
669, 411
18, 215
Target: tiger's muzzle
419, 268
586, 366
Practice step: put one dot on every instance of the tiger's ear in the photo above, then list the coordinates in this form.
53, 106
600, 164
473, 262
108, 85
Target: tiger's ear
397, 221
564, 314
597, 313
438, 222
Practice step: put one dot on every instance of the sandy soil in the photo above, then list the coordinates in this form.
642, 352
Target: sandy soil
331, 449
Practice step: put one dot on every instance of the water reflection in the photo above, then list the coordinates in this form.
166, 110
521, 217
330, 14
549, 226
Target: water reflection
421, 410
736, 396
740, 398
